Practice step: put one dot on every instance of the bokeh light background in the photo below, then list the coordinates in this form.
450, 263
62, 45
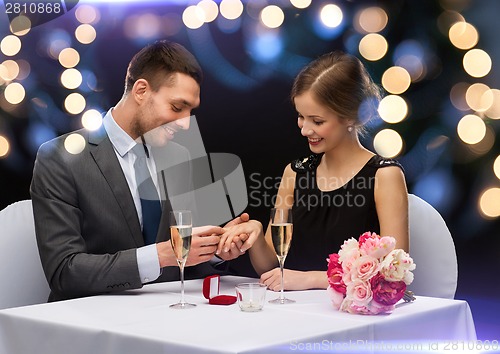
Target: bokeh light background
438, 62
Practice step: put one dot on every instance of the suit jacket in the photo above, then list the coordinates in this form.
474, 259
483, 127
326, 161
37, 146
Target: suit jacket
86, 223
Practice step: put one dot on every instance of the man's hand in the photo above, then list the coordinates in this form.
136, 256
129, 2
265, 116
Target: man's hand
204, 243
238, 220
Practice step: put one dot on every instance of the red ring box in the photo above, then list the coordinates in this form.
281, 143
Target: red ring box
211, 286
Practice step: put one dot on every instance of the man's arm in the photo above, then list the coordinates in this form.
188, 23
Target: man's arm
76, 264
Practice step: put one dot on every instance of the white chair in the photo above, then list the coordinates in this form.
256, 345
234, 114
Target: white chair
21, 276
432, 250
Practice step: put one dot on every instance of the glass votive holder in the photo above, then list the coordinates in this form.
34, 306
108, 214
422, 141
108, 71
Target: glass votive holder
251, 296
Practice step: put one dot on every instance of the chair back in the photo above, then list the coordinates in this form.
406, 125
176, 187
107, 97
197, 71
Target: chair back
433, 251
21, 275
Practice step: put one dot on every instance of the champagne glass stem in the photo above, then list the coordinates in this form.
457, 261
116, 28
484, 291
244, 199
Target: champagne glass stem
282, 291
181, 267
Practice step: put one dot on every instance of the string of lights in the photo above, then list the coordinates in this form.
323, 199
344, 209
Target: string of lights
362, 29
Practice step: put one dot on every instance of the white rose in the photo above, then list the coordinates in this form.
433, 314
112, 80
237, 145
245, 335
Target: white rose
397, 266
348, 250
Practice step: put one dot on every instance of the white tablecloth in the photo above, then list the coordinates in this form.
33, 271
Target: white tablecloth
141, 322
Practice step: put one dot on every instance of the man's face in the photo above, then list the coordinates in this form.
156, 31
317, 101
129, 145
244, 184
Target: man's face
166, 111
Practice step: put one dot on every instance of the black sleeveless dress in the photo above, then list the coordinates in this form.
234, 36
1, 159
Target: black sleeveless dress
322, 221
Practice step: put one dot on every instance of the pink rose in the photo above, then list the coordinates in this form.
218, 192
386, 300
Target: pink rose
347, 262
360, 292
373, 308
351, 307
333, 258
367, 236
364, 268
368, 276
385, 292
386, 245
335, 296
334, 274
348, 253
369, 246
377, 247
376, 308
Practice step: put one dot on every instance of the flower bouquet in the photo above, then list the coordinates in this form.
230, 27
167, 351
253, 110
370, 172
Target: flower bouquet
368, 276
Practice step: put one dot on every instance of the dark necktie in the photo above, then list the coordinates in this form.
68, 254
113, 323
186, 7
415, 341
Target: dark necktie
150, 204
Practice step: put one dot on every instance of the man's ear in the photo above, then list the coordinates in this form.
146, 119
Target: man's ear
139, 90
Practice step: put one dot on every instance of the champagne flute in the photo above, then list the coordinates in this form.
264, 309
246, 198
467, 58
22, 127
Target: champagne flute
281, 232
181, 226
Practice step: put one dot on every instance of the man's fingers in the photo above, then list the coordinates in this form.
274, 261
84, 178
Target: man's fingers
201, 241
207, 230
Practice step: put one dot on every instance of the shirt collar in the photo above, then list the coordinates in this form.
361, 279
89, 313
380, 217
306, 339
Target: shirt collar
122, 142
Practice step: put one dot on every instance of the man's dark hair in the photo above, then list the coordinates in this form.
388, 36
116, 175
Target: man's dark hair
156, 62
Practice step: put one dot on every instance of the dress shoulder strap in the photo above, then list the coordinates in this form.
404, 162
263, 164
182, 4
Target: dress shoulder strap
378, 161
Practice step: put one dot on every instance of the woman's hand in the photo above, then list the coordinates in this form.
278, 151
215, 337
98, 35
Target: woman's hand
242, 235
234, 250
294, 279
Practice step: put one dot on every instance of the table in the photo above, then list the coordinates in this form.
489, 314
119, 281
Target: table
141, 322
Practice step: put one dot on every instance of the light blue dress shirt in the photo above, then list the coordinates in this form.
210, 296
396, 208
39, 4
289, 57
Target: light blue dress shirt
147, 256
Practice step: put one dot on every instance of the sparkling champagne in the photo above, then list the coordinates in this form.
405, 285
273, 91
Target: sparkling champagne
180, 236
281, 236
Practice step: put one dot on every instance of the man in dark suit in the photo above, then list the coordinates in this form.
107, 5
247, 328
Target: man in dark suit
88, 213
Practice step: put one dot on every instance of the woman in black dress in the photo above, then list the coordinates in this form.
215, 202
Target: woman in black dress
339, 191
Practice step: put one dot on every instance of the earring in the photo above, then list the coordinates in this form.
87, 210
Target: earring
350, 128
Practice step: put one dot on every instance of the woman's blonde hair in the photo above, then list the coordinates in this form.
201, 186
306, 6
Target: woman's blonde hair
341, 82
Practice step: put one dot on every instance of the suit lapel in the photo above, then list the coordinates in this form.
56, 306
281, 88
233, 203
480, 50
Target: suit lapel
104, 156
164, 227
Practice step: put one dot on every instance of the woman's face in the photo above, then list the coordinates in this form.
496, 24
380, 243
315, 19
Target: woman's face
323, 129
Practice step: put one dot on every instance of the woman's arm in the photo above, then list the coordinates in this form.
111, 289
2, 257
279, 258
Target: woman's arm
270, 274
262, 255
391, 201
294, 279
251, 235
284, 199
259, 245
